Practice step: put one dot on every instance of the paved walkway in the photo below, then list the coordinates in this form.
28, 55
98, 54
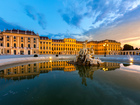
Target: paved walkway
23, 56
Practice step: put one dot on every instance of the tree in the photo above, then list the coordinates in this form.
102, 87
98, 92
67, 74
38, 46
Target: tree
136, 48
128, 47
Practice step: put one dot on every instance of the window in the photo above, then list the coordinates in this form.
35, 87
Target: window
40, 47
7, 36
14, 44
34, 51
22, 45
49, 42
14, 37
40, 42
34, 39
7, 44
28, 45
1, 44
21, 37
7, 51
28, 39
34, 46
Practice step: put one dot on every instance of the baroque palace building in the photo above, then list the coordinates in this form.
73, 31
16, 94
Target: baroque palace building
72, 46
19, 42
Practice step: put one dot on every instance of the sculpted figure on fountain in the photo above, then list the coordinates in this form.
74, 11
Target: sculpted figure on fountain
85, 56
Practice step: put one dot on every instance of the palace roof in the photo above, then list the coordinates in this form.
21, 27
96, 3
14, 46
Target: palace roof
20, 32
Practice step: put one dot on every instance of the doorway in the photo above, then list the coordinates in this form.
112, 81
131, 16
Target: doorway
28, 52
14, 52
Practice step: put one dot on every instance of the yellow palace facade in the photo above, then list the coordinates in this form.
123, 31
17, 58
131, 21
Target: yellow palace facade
19, 42
69, 46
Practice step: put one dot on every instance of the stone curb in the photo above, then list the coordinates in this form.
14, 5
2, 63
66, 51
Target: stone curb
30, 59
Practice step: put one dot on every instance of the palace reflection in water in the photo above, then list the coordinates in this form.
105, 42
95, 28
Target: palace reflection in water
30, 71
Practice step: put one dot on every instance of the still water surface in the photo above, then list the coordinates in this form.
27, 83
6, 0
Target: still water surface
60, 83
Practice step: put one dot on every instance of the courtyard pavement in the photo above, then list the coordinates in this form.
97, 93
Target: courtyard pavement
100, 56
9, 59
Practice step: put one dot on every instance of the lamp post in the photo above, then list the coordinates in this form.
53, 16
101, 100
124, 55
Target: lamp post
105, 46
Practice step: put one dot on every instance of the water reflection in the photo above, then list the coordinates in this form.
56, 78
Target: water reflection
30, 71
88, 71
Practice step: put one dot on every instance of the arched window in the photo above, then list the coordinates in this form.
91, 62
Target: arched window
22, 45
34, 46
14, 44
1, 44
7, 44
28, 45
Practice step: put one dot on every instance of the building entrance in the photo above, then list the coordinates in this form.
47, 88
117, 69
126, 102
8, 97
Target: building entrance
28, 52
14, 52
21, 52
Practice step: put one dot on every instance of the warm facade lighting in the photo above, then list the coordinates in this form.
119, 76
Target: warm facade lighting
131, 59
50, 57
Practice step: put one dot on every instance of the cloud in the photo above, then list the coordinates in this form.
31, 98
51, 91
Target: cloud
5, 24
102, 12
72, 19
33, 14
41, 20
72, 14
30, 11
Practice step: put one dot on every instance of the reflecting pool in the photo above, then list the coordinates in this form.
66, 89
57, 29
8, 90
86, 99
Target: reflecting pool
60, 83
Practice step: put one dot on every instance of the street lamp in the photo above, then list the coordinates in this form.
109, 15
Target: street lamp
105, 45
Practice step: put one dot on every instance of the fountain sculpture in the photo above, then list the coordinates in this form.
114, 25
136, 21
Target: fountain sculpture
86, 56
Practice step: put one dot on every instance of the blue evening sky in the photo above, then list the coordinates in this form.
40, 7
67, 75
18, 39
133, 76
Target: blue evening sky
81, 19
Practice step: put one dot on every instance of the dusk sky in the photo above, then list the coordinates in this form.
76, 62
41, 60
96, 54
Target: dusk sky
81, 19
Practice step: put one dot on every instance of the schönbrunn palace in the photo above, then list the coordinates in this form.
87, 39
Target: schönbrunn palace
21, 42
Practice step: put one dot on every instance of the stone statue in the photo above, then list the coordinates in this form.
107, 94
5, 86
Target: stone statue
92, 52
85, 56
